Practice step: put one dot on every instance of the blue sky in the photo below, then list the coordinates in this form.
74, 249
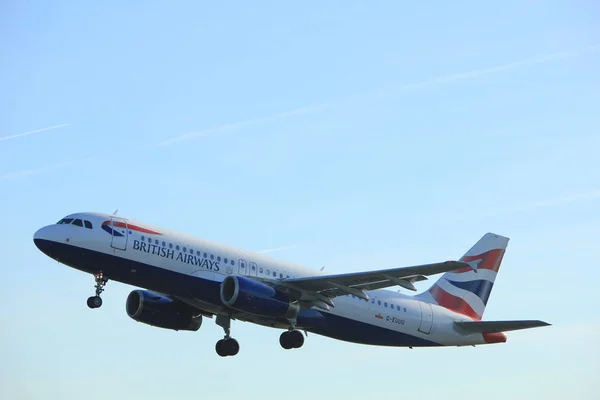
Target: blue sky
351, 135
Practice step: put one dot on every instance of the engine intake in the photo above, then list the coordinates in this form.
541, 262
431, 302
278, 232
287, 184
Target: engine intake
160, 311
254, 297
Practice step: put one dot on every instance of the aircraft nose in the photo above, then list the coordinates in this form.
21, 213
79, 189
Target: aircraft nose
41, 238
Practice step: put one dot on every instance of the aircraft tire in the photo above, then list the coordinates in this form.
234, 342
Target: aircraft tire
220, 348
285, 340
227, 347
233, 347
297, 339
94, 302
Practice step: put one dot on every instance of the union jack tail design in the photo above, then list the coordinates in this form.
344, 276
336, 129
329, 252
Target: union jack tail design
467, 290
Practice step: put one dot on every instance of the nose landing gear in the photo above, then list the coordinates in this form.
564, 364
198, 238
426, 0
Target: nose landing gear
96, 301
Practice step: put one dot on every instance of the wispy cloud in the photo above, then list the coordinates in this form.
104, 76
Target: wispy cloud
501, 68
441, 80
221, 129
15, 175
278, 249
32, 132
535, 205
237, 125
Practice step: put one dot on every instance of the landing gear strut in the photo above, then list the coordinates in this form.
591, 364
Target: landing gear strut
96, 301
227, 346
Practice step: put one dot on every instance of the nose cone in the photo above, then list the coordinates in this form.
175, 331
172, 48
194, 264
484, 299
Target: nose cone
41, 238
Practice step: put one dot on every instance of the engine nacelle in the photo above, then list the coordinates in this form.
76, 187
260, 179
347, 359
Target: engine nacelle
254, 297
160, 311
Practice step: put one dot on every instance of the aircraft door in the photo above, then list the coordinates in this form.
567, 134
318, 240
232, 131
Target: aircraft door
426, 317
119, 233
252, 269
243, 267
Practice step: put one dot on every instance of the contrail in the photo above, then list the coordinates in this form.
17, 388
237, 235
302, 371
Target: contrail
446, 79
276, 249
548, 203
462, 76
316, 107
33, 132
236, 125
28, 172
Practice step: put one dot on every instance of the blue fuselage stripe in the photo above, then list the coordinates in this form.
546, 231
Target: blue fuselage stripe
177, 284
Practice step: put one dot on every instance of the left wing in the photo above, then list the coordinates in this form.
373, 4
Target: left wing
323, 288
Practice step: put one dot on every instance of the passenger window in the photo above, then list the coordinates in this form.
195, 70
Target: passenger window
78, 222
385, 304
212, 257
260, 270
88, 224
275, 274
225, 261
219, 258
170, 245
198, 253
177, 247
142, 238
164, 244
184, 250
205, 255
379, 302
156, 242
232, 262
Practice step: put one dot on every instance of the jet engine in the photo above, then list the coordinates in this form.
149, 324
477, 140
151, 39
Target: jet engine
254, 297
160, 311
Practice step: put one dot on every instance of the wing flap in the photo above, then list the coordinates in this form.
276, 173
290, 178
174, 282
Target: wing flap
330, 286
498, 326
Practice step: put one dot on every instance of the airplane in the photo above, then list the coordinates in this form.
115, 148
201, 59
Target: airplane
186, 279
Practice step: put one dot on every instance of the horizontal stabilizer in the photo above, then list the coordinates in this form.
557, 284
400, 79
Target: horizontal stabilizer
498, 326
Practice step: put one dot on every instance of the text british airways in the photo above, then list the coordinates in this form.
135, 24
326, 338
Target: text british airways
170, 253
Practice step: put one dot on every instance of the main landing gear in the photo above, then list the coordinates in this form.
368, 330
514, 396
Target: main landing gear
96, 301
291, 339
227, 346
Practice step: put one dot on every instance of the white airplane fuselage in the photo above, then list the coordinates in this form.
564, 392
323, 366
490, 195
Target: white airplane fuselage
192, 270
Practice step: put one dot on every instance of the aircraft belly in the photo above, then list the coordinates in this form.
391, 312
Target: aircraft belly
346, 322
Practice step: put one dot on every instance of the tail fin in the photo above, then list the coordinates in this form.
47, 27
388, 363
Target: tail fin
467, 290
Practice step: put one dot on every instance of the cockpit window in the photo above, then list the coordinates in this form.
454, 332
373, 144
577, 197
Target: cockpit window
65, 221
78, 222
88, 224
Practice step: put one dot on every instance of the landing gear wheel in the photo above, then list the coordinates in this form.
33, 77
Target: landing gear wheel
284, 340
233, 347
227, 347
297, 339
94, 302
291, 340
